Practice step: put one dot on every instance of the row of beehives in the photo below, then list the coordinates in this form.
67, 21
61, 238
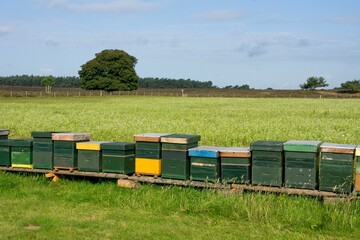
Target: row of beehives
292, 164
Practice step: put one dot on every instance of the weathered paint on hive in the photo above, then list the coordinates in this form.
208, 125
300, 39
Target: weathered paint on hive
337, 148
302, 146
89, 160
235, 169
43, 157
4, 132
178, 147
71, 136
149, 137
116, 163
148, 166
274, 146
267, 168
118, 146
90, 145
235, 152
204, 168
204, 151
41, 134
181, 138
5, 153
175, 168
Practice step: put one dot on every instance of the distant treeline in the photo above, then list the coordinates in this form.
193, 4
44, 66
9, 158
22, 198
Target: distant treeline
74, 82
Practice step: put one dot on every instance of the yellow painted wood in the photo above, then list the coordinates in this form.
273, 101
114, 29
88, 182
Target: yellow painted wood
148, 166
91, 145
22, 165
357, 153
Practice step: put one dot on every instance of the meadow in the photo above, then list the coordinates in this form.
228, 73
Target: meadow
34, 207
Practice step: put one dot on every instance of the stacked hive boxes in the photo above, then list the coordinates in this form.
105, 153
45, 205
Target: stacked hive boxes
267, 163
21, 153
336, 170
301, 162
5, 152
65, 152
4, 134
205, 163
118, 157
148, 153
235, 164
175, 159
89, 156
43, 150
357, 171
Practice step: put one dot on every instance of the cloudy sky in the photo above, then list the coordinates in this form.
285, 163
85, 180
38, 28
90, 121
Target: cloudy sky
263, 43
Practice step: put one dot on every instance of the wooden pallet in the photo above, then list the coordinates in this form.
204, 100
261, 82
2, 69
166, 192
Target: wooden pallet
70, 169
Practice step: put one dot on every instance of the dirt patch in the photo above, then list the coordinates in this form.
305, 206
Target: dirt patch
33, 227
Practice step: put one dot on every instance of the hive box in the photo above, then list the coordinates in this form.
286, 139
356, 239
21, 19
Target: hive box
235, 164
175, 162
301, 164
89, 156
357, 172
205, 163
148, 153
267, 163
21, 153
336, 169
5, 152
118, 157
43, 150
65, 152
4, 134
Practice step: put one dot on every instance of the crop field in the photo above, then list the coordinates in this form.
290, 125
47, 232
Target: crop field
34, 207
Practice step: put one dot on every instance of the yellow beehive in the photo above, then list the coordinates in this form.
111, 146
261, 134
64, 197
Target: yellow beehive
91, 145
147, 166
22, 166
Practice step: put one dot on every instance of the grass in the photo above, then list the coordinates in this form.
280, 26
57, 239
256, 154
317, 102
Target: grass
34, 207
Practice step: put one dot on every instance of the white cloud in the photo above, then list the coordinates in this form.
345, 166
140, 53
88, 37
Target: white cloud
220, 15
46, 70
51, 42
119, 6
254, 49
4, 30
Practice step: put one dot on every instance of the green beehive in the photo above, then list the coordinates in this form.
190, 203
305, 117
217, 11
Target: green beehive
301, 164
267, 163
148, 150
65, 152
43, 150
205, 163
336, 169
21, 153
235, 164
5, 153
4, 134
175, 162
118, 157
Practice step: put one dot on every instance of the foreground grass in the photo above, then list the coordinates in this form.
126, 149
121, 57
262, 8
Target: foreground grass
33, 207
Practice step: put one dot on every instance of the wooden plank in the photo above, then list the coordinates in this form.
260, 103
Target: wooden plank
149, 137
337, 148
235, 152
4, 132
71, 136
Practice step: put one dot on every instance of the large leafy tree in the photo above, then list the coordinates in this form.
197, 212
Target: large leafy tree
351, 86
314, 82
110, 70
48, 82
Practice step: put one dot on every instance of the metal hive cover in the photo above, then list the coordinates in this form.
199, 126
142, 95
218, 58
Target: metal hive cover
267, 146
4, 132
337, 148
204, 151
149, 137
118, 146
71, 136
302, 146
180, 138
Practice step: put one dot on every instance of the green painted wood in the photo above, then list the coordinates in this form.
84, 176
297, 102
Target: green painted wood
267, 168
148, 153
121, 146
235, 169
3, 137
5, 154
172, 146
175, 168
118, 152
274, 146
41, 134
149, 145
205, 169
21, 155
302, 146
43, 157
21, 143
118, 163
175, 155
65, 154
181, 138
336, 172
89, 161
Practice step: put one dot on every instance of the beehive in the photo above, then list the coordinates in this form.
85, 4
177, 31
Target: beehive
21, 153
43, 150
336, 168
148, 153
301, 164
357, 171
5, 152
4, 134
235, 164
205, 163
89, 156
175, 162
65, 152
267, 163
118, 157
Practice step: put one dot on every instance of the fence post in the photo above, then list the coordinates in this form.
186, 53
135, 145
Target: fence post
101, 93
67, 94
11, 94
79, 94
26, 93
40, 94
54, 94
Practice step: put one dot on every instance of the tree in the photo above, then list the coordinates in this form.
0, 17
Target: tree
110, 70
314, 82
48, 82
351, 86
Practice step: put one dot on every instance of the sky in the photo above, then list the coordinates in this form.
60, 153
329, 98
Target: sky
266, 44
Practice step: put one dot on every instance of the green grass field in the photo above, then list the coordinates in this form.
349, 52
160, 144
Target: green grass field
34, 207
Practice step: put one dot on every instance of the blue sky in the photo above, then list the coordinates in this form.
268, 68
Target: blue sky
263, 43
